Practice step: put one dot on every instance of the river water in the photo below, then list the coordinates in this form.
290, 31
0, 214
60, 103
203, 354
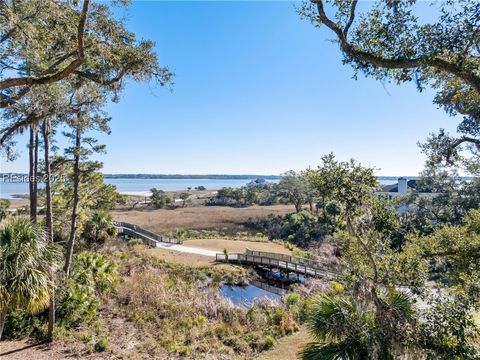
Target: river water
139, 186
136, 186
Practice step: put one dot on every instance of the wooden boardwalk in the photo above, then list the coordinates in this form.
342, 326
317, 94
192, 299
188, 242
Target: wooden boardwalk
289, 264
284, 263
147, 236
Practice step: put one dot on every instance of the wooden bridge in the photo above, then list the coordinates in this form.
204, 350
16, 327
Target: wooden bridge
147, 236
284, 263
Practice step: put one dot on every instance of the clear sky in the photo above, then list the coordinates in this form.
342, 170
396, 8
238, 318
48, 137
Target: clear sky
257, 91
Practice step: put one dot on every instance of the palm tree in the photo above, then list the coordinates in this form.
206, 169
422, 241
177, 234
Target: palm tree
99, 227
349, 329
27, 261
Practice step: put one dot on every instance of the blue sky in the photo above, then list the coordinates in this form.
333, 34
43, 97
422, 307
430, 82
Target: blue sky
257, 91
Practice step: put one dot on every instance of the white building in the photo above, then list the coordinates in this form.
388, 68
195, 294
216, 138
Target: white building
399, 189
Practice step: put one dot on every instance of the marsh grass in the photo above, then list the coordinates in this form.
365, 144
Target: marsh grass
165, 310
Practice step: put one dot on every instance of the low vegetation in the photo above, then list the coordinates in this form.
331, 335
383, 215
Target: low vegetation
123, 288
408, 285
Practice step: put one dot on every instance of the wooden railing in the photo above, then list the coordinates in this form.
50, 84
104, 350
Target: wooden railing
274, 262
295, 259
147, 236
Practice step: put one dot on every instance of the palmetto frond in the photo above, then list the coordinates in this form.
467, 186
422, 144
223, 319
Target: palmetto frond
344, 328
27, 262
401, 303
332, 351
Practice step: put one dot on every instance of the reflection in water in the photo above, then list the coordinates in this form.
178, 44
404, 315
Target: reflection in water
245, 296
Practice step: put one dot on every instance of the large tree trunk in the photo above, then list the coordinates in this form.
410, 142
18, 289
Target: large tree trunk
32, 173
49, 218
76, 181
35, 170
298, 207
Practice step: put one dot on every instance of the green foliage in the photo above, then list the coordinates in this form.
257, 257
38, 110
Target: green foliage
101, 345
452, 199
98, 228
292, 299
345, 328
268, 343
297, 190
160, 199
391, 40
304, 254
298, 228
4, 205
133, 242
94, 194
27, 260
349, 184
20, 323
48, 46
184, 196
91, 275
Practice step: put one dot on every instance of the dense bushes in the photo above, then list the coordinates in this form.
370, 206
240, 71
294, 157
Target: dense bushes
78, 298
98, 228
299, 228
184, 234
91, 276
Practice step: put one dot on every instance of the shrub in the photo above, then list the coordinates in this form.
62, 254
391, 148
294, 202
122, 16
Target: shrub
98, 228
268, 343
134, 242
19, 323
101, 345
299, 228
292, 299
91, 275
304, 254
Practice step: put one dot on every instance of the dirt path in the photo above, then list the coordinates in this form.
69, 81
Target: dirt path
188, 249
24, 350
288, 347
239, 246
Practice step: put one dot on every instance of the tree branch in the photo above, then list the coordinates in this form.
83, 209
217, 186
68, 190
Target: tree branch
49, 78
17, 126
350, 20
457, 143
388, 63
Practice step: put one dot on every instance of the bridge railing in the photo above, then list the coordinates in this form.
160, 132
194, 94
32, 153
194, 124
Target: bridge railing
149, 237
275, 262
293, 259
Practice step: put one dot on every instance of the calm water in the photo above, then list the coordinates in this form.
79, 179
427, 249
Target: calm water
245, 296
138, 186
143, 186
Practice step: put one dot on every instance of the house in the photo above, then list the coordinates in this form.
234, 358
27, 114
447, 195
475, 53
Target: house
401, 188
257, 182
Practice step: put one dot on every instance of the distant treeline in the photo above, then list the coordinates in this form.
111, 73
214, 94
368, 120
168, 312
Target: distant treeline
212, 176
179, 176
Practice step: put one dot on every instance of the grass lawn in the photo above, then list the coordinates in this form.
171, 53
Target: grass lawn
234, 246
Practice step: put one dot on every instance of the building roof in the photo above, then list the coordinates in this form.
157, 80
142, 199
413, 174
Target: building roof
412, 184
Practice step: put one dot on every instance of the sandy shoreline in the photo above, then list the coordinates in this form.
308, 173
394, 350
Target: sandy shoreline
20, 200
